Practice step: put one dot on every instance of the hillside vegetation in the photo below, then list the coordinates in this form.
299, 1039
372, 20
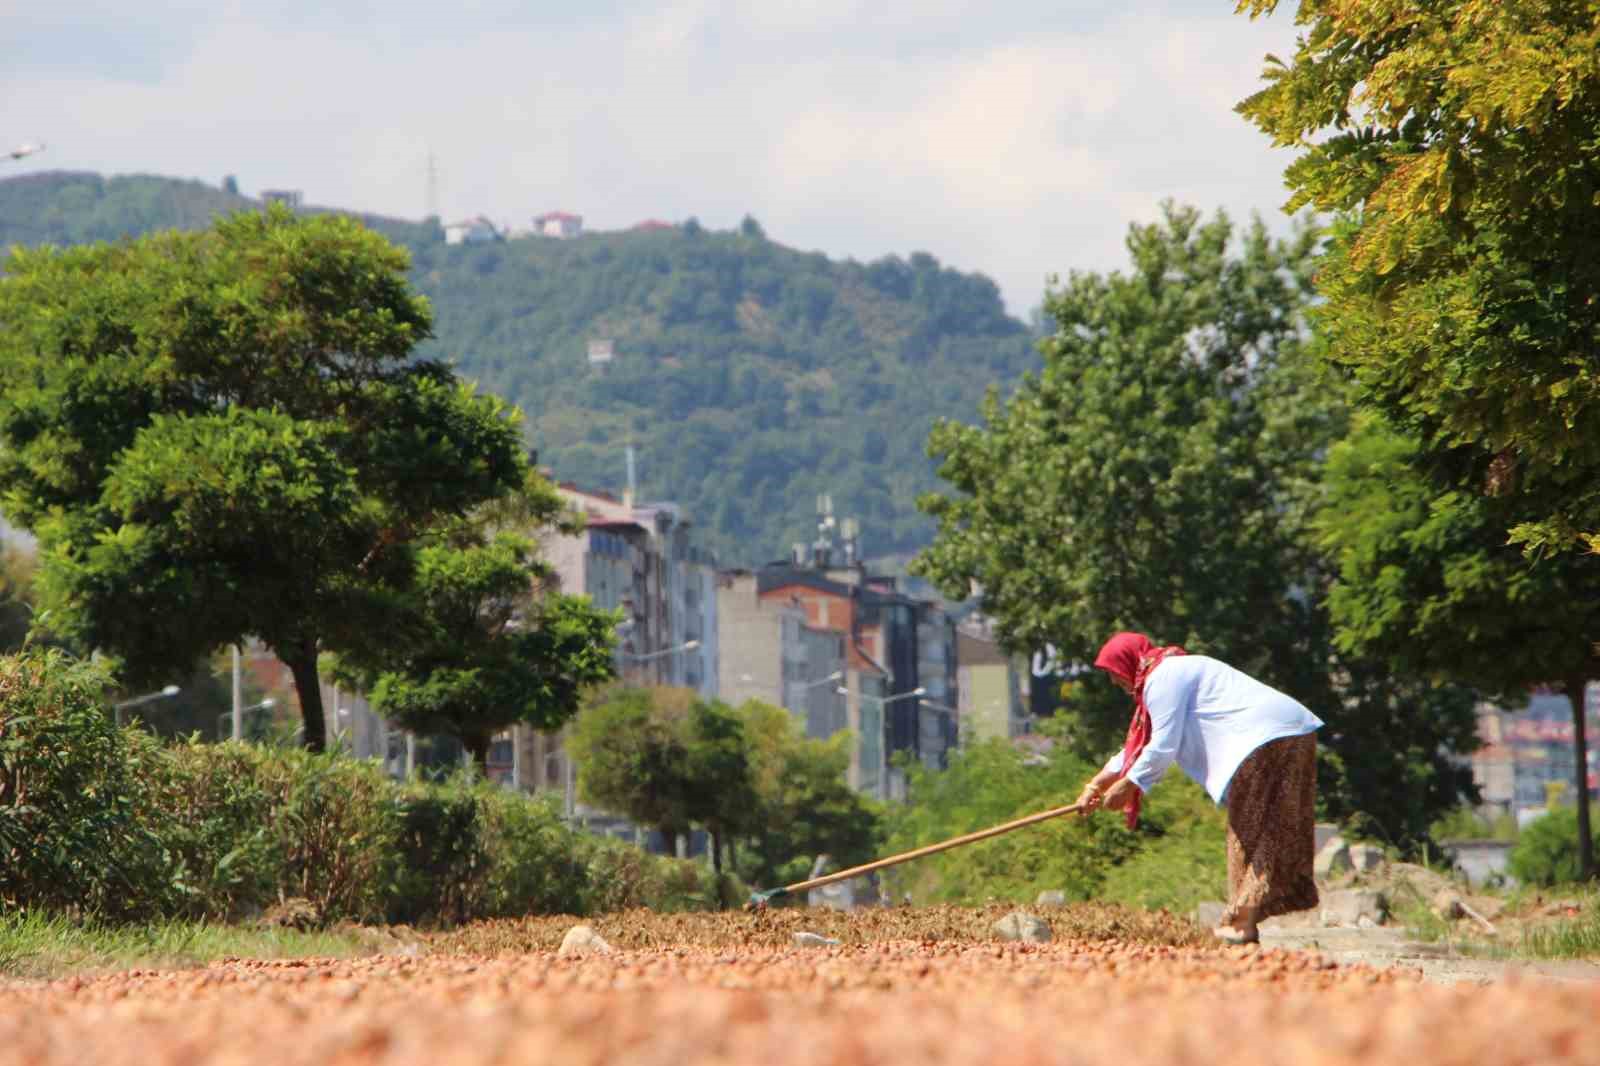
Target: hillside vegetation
749, 377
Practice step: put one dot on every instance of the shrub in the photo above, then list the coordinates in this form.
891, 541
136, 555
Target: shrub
218, 828
71, 836
535, 865
1173, 859
441, 854
114, 825
1546, 852
622, 877
337, 824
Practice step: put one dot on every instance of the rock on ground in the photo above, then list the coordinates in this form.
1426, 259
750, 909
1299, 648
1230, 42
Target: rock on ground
1051, 897
1208, 915
1348, 906
1020, 925
1332, 860
582, 940
1364, 857
804, 939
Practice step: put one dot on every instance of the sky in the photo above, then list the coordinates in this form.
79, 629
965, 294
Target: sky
1016, 138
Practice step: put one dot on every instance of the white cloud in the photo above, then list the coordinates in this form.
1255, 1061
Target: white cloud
1018, 140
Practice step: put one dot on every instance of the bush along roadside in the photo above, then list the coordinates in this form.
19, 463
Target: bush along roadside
110, 824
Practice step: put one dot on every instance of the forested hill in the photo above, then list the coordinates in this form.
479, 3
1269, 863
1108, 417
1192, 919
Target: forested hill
750, 377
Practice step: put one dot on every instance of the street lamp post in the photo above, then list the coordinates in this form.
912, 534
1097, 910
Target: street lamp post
236, 730
689, 645
118, 708
882, 702
686, 646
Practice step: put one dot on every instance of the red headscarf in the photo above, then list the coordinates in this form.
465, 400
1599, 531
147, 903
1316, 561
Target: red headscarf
1132, 656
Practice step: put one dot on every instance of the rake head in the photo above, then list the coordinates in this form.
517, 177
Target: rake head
759, 900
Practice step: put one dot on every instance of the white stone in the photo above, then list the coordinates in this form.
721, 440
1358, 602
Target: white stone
1332, 860
1051, 897
1364, 857
814, 940
582, 940
1020, 925
1349, 906
1208, 915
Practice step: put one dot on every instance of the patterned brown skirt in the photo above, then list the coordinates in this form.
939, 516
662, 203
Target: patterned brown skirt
1271, 829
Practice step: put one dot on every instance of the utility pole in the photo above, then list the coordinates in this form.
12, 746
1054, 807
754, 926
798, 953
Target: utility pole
432, 206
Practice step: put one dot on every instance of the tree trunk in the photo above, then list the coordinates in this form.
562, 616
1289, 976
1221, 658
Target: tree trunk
716, 853
302, 663
1580, 752
477, 746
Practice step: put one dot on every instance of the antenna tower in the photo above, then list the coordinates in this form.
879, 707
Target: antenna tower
432, 194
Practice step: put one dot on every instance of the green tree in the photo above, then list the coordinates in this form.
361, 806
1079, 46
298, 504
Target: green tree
1427, 583
480, 641
1159, 475
804, 806
224, 433
718, 791
1142, 480
633, 757
476, 662
1459, 135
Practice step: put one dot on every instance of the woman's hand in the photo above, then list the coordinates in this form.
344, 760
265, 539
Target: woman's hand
1120, 795
1089, 798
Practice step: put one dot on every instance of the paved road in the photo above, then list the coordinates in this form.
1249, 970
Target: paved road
1383, 947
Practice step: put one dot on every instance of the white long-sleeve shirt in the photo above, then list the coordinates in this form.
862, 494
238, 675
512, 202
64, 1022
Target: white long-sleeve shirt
1209, 717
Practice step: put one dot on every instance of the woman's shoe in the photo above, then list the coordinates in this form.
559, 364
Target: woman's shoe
1229, 935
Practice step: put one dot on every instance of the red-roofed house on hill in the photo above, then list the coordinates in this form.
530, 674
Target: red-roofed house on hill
653, 224
559, 224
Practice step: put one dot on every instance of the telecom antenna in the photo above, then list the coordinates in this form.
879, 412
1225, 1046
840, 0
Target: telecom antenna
432, 193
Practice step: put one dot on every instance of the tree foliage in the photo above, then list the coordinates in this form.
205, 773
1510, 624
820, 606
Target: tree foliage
224, 433
1427, 584
473, 664
803, 804
1143, 478
1460, 136
669, 760
1159, 475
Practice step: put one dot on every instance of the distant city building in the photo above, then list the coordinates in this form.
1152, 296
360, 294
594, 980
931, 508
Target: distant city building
476, 230
289, 198
559, 224
771, 653
1529, 753
993, 685
638, 558
897, 653
601, 351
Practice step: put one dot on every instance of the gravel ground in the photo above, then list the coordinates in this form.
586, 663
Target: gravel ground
895, 1001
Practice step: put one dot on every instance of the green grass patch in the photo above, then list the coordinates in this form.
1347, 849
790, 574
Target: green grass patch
1574, 938
36, 945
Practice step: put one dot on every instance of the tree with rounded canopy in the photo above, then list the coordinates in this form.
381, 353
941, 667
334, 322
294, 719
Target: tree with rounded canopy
1459, 138
223, 434
479, 639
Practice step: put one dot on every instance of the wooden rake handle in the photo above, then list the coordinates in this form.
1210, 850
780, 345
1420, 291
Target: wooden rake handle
906, 856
